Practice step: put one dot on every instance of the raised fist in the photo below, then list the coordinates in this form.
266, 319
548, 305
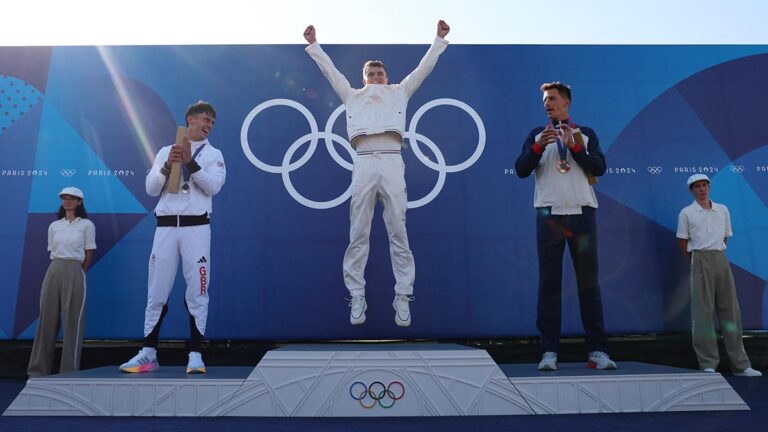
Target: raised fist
309, 34
442, 28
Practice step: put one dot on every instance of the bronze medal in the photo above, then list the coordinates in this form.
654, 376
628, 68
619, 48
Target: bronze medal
563, 166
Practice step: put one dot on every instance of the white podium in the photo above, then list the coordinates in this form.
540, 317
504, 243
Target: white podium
358, 380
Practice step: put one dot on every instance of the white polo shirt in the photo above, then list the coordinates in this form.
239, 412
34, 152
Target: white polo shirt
705, 229
567, 192
70, 240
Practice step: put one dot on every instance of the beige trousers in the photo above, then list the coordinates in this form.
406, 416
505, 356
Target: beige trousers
62, 297
713, 290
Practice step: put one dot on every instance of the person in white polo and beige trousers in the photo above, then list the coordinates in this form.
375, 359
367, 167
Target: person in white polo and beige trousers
703, 229
71, 241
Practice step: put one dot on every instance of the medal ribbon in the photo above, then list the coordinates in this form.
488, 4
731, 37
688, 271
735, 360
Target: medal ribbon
561, 148
184, 168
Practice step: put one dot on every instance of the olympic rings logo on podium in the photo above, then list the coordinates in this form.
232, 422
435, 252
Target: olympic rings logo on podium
329, 138
377, 393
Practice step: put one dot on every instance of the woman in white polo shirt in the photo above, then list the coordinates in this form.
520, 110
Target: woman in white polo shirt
71, 241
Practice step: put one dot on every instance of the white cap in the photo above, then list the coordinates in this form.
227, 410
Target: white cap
697, 177
72, 191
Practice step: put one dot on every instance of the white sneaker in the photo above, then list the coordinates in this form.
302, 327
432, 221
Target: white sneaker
708, 370
357, 308
402, 309
548, 361
600, 360
749, 372
195, 364
144, 361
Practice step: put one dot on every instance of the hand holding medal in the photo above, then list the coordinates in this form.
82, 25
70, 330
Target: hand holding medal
564, 142
186, 156
566, 134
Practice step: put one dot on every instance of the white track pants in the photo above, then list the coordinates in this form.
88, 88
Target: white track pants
193, 244
378, 176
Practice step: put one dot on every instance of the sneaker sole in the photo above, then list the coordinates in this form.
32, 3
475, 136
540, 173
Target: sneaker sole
142, 368
358, 321
549, 368
747, 375
593, 365
399, 321
196, 370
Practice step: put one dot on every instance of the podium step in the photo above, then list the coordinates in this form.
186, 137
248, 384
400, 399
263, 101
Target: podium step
634, 387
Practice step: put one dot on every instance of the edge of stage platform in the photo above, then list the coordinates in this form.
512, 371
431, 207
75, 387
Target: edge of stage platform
634, 387
356, 380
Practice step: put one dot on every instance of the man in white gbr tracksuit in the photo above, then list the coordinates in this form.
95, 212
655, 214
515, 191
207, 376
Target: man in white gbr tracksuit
183, 229
375, 125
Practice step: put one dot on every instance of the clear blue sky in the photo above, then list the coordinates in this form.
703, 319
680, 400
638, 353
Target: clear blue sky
109, 22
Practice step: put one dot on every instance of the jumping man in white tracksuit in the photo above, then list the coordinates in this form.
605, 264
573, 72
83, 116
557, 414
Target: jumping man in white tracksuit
183, 229
375, 125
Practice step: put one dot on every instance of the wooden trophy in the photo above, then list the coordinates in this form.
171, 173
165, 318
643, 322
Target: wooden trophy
174, 180
580, 141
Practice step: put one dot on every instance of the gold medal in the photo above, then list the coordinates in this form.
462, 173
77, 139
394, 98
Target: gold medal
563, 166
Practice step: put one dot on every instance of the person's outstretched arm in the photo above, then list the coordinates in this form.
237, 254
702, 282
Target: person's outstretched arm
338, 81
413, 81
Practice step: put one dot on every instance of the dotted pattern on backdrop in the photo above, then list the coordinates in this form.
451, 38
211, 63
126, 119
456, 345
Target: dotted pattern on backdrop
16, 98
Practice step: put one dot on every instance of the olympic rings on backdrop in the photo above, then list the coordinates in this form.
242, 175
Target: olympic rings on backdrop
480, 135
377, 392
655, 170
329, 138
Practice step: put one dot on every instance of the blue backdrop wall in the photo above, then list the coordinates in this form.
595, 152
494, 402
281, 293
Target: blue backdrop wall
94, 117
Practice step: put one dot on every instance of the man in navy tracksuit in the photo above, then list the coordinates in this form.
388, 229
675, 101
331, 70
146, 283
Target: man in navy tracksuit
565, 159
